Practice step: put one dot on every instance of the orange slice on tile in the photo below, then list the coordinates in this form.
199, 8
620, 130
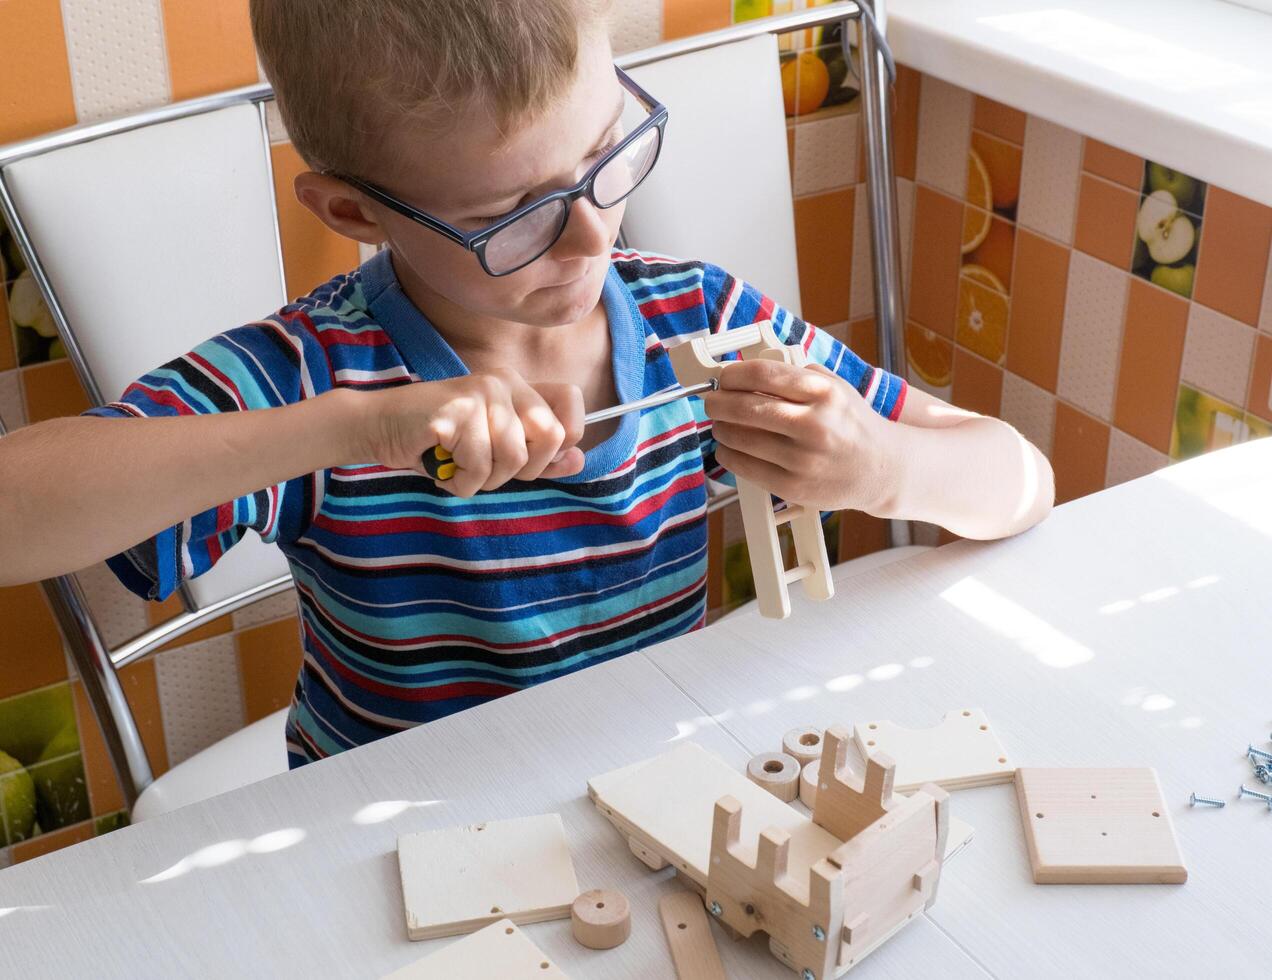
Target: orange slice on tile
980, 200
929, 354
981, 326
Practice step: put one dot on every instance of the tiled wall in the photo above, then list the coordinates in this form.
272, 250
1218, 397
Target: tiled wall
1032, 298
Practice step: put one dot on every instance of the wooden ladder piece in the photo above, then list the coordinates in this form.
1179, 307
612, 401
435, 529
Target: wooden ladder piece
696, 361
693, 948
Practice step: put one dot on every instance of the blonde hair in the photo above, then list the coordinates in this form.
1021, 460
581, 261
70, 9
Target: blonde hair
345, 70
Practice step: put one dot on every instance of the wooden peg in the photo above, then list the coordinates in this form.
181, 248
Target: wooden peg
804, 744
601, 919
777, 772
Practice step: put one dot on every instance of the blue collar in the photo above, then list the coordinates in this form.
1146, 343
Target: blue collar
431, 358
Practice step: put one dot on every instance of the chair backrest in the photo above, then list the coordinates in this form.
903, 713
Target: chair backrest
152, 240
721, 191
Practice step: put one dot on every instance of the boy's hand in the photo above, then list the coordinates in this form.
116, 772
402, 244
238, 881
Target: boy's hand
497, 426
801, 433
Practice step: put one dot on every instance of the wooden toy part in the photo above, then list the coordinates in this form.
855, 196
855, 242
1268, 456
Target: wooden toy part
846, 804
601, 919
808, 782
804, 744
694, 361
500, 951
1098, 826
517, 869
693, 948
961, 752
776, 772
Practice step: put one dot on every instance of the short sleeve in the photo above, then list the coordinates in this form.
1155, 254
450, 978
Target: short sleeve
731, 303
267, 364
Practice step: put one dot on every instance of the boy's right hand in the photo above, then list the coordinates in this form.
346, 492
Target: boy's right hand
497, 426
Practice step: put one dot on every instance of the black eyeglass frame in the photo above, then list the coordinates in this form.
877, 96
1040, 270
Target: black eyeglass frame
475, 241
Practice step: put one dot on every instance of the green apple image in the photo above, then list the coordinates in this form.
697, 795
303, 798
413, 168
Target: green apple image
17, 800
30, 722
1176, 278
1165, 229
27, 308
60, 788
1181, 186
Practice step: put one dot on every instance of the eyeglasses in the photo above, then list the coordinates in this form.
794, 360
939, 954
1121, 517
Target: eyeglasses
514, 241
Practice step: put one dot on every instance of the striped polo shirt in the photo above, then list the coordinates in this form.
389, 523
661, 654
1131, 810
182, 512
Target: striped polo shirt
415, 603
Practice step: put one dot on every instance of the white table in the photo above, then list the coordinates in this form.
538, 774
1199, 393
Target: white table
1068, 636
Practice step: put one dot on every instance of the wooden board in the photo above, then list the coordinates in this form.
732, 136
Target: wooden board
961, 752
459, 879
693, 948
636, 799
501, 951
1098, 826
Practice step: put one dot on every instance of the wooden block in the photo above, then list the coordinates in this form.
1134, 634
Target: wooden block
961, 752
601, 919
803, 744
500, 951
462, 878
776, 772
847, 803
693, 948
808, 783
1098, 826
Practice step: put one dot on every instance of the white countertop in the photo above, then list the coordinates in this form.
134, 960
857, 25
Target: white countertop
1187, 83
1128, 629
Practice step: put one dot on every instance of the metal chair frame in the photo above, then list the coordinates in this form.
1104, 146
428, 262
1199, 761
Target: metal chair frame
96, 662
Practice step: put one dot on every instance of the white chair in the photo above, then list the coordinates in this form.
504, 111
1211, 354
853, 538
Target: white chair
147, 235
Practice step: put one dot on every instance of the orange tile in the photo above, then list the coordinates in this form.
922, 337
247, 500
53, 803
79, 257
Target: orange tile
999, 120
52, 391
8, 357
1236, 235
1003, 161
978, 385
269, 663
905, 132
1259, 398
684, 17
30, 644
1152, 350
141, 688
312, 252
54, 840
996, 252
104, 792
210, 46
1106, 221
1037, 309
860, 534
863, 339
35, 78
823, 240
1113, 164
1079, 452
938, 232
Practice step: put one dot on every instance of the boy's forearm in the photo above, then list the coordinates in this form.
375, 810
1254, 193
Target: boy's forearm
979, 478
74, 491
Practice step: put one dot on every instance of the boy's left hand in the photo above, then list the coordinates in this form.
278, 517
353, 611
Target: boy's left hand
804, 434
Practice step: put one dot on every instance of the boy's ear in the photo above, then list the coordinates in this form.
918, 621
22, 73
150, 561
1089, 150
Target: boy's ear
339, 207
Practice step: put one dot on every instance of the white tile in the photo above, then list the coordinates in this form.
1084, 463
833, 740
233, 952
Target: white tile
12, 409
945, 134
1095, 303
825, 154
1030, 410
635, 24
200, 696
1049, 177
1265, 312
1217, 354
117, 56
266, 610
1130, 459
861, 294
119, 614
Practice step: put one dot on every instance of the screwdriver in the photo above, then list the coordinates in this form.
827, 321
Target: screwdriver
439, 464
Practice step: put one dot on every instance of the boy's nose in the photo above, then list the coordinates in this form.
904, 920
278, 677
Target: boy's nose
586, 233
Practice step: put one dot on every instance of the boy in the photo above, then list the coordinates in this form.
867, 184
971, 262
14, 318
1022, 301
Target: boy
554, 546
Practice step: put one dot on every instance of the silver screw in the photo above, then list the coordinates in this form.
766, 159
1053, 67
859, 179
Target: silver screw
1194, 800
1252, 752
716, 910
808, 974
1263, 774
819, 934
1258, 796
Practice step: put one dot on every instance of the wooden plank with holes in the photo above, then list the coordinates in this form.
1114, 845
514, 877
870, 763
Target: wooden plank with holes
500, 951
688, 930
518, 869
962, 752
